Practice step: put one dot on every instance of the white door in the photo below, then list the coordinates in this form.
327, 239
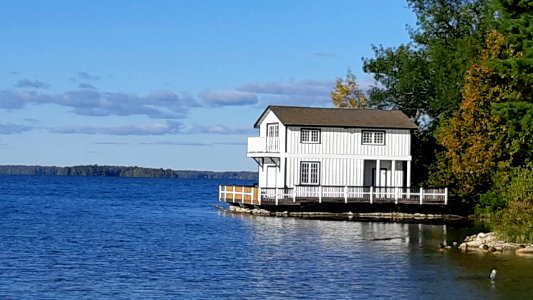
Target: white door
384, 182
273, 137
271, 175
384, 177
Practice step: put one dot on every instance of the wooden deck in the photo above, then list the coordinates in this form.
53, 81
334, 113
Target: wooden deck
331, 194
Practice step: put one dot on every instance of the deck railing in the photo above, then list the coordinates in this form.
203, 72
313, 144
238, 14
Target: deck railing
263, 144
332, 194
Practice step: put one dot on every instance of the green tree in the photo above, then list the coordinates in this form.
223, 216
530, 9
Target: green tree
347, 93
424, 79
514, 19
404, 80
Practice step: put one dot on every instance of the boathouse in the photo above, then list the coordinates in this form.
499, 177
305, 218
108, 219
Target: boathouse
331, 155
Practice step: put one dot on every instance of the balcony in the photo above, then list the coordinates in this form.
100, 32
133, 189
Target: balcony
258, 145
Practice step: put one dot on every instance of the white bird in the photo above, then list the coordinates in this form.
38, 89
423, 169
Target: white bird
492, 275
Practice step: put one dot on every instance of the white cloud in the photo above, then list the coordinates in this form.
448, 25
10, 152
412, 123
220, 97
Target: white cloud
219, 130
325, 54
228, 98
111, 143
36, 84
171, 143
86, 86
87, 76
158, 105
168, 127
231, 143
150, 129
304, 92
7, 128
303, 87
18, 99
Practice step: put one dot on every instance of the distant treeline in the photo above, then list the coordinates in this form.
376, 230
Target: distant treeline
121, 171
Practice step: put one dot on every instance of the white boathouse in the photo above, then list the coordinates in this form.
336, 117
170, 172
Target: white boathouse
307, 154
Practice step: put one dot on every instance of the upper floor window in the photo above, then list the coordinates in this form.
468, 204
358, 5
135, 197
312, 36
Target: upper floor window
310, 136
373, 137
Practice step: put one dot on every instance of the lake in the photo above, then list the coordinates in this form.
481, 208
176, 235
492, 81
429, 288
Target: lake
136, 238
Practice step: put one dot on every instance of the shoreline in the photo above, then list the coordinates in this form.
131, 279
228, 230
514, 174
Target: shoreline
351, 216
482, 243
490, 243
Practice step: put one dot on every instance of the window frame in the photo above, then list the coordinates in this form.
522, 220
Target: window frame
373, 137
310, 174
310, 135
272, 125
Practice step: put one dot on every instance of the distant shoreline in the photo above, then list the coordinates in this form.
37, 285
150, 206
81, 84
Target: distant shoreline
122, 171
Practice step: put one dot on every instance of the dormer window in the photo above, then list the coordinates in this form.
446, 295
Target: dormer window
371, 137
310, 136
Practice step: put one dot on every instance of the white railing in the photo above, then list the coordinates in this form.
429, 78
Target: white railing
263, 144
333, 194
354, 194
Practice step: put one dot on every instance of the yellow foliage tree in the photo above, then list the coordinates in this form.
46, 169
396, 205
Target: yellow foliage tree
474, 137
347, 93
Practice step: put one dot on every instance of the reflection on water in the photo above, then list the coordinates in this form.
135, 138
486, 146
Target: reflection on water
294, 257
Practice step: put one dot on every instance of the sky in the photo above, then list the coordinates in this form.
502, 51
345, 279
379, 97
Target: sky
172, 84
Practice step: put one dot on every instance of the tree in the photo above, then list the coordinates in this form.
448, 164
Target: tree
424, 79
492, 131
514, 19
474, 136
404, 80
347, 93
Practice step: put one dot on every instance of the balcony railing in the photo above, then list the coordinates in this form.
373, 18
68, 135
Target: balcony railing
263, 145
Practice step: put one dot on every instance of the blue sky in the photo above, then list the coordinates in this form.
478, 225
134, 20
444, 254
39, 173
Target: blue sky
172, 84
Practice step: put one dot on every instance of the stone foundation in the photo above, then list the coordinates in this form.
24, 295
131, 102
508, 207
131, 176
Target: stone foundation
387, 216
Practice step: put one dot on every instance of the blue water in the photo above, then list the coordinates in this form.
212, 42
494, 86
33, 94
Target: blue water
131, 238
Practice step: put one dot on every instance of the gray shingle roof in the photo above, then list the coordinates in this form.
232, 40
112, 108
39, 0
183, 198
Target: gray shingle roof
339, 117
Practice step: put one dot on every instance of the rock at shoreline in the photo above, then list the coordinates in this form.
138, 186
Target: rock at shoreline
488, 242
528, 250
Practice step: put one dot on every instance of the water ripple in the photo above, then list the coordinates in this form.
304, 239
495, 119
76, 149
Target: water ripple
124, 238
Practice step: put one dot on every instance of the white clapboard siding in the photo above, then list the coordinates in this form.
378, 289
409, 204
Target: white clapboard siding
271, 118
347, 141
333, 171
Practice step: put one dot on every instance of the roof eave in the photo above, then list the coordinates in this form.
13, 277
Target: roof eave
355, 126
256, 124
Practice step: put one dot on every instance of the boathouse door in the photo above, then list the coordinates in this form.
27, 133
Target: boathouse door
384, 178
271, 175
384, 181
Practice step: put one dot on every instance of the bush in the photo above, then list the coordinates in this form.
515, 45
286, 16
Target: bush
493, 201
515, 222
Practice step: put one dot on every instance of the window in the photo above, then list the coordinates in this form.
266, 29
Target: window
310, 136
309, 172
373, 137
